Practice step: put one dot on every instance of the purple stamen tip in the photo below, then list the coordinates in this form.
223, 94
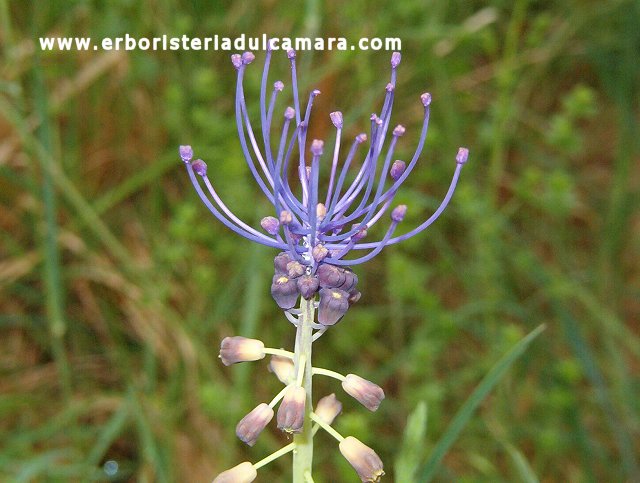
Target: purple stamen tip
270, 225
360, 138
462, 156
278, 86
186, 153
395, 59
336, 119
247, 58
397, 168
236, 60
390, 87
200, 167
399, 130
397, 215
426, 99
291, 54
316, 147
289, 113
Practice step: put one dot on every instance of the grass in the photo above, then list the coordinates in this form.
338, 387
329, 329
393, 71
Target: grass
116, 287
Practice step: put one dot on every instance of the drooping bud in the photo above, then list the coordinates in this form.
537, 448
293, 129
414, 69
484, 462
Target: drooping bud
186, 153
236, 60
289, 113
307, 286
330, 276
364, 460
250, 427
317, 147
291, 411
462, 156
398, 213
284, 291
395, 59
285, 217
295, 269
367, 393
328, 408
397, 169
200, 167
319, 253
240, 349
280, 262
426, 99
283, 368
278, 86
321, 211
247, 58
243, 473
336, 119
334, 303
399, 130
270, 225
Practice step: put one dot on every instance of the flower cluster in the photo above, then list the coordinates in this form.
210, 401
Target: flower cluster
318, 238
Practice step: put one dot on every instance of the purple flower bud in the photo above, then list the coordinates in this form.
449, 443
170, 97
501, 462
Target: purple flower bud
243, 473
291, 54
319, 253
334, 303
291, 411
360, 234
289, 113
350, 281
395, 59
364, 460
328, 409
236, 60
284, 291
336, 119
278, 86
373, 117
280, 262
397, 168
399, 130
250, 427
295, 269
240, 349
186, 153
270, 225
398, 213
247, 58
354, 296
367, 393
285, 217
316, 147
200, 167
330, 276
426, 99
307, 286
462, 156
283, 368
390, 87
360, 138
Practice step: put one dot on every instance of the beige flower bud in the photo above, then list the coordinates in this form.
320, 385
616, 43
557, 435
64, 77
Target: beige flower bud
243, 473
367, 393
240, 349
282, 367
250, 427
328, 408
363, 459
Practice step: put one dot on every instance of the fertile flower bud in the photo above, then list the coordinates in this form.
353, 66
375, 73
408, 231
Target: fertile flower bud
426, 99
367, 393
397, 168
398, 213
243, 473
291, 411
248, 57
363, 459
285, 217
289, 113
278, 86
462, 156
395, 59
200, 167
307, 286
236, 60
316, 147
399, 130
280, 262
186, 153
334, 303
283, 368
319, 253
284, 291
240, 349
250, 427
270, 225
336, 119
328, 408
330, 276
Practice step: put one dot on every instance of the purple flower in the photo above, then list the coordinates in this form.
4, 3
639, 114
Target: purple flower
250, 427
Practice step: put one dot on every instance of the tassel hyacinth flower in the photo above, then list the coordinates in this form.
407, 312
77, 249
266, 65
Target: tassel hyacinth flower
319, 237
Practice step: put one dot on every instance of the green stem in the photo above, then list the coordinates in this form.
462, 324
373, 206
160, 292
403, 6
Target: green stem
303, 452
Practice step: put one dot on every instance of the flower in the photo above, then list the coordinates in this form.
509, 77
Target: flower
291, 411
363, 459
367, 393
243, 473
250, 427
240, 349
282, 367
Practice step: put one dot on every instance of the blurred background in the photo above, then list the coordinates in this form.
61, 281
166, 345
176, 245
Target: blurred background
117, 285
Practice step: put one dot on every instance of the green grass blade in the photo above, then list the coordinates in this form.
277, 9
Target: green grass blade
466, 411
521, 465
409, 456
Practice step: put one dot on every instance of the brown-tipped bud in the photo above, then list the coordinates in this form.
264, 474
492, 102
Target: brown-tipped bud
397, 169
270, 225
334, 303
291, 411
295, 269
243, 473
285, 217
282, 367
250, 427
307, 286
319, 253
280, 262
328, 408
367, 393
321, 211
330, 275
364, 460
240, 349
284, 291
